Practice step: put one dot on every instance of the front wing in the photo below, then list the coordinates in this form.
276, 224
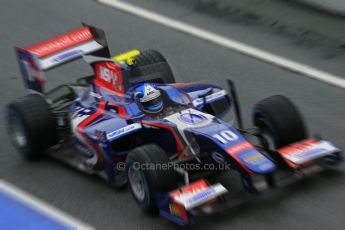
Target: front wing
183, 205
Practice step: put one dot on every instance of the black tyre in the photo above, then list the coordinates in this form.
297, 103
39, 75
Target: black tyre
280, 118
146, 182
31, 125
151, 62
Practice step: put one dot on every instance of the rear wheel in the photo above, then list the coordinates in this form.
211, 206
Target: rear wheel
31, 125
280, 118
152, 62
147, 177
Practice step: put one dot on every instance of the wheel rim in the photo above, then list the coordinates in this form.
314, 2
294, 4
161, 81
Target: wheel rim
265, 132
136, 182
17, 132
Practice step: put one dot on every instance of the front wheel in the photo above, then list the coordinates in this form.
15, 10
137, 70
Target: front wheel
279, 118
148, 174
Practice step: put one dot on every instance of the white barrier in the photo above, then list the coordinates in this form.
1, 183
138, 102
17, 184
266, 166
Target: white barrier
333, 6
336, 6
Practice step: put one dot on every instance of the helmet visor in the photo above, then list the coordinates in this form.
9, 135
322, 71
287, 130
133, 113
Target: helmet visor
152, 103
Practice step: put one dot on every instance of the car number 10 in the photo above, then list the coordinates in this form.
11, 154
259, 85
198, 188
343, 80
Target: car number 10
225, 136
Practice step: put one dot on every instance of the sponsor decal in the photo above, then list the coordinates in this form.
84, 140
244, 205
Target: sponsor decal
254, 158
109, 76
149, 93
303, 145
197, 194
243, 146
203, 195
192, 118
309, 153
126, 129
68, 55
209, 98
149, 89
307, 150
175, 210
61, 42
192, 188
217, 157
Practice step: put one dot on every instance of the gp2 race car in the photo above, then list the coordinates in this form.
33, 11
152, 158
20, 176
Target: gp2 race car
100, 118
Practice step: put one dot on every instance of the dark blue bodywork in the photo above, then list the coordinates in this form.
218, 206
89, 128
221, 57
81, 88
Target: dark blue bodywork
118, 125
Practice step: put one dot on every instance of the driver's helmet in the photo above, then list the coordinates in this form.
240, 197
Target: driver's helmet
149, 97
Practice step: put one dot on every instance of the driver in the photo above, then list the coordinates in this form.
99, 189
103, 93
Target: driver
150, 98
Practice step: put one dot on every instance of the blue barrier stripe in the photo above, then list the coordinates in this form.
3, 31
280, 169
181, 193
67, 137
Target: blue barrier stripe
15, 214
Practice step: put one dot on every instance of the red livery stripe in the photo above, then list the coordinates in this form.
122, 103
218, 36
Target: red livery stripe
120, 109
297, 147
191, 188
233, 150
179, 145
290, 149
87, 121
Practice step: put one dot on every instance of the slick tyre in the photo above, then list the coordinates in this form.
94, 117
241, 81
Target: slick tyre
278, 117
31, 125
152, 62
146, 182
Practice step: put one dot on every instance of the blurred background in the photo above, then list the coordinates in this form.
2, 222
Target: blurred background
307, 32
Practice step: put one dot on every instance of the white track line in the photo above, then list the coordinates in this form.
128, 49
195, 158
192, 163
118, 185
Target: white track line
46, 209
227, 42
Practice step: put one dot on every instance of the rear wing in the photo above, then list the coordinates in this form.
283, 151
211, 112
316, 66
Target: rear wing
36, 59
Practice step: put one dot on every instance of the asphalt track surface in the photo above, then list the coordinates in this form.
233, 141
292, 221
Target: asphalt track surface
316, 203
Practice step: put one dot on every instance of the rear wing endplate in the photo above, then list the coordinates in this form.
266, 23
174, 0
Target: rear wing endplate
36, 59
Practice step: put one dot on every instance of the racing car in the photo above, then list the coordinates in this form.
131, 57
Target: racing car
99, 126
